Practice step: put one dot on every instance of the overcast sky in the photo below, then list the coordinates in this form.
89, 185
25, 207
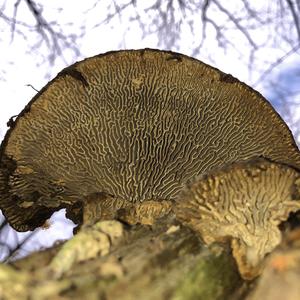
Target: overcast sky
21, 67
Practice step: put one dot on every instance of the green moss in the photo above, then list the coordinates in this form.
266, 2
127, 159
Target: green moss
212, 278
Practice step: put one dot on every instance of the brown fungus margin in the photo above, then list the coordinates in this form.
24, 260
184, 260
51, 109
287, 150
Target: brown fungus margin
135, 125
244, 202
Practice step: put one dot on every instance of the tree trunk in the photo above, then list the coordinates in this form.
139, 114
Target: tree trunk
164, 261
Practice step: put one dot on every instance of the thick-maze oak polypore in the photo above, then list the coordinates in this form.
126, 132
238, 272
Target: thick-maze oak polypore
133, 125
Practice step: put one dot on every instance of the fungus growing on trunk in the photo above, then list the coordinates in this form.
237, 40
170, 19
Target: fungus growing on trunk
134, 125
244, 202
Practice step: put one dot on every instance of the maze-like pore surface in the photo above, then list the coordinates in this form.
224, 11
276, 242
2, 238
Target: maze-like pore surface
243, 201
136, 125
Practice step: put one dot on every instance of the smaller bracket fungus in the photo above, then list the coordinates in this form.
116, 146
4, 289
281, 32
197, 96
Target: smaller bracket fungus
245, 202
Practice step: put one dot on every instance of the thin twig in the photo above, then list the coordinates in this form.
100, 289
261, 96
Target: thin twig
13, 24
13, 251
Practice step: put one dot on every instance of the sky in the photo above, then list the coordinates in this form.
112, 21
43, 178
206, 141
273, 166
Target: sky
25, 70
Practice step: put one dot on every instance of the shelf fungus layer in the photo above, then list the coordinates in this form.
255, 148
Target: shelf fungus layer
136, 125
244, 202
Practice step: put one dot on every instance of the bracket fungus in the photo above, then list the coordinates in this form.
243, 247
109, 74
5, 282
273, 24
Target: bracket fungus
244, 201
135, 125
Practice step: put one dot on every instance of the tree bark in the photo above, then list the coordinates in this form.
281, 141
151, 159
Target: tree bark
163, 261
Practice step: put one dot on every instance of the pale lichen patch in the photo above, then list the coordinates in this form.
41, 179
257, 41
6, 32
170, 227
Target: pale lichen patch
89, 243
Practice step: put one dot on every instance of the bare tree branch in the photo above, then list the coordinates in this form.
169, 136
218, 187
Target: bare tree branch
20, 245
50, 32
275, 64
242, 29
295, 16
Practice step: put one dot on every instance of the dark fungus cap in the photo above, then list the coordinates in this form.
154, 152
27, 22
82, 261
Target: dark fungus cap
135, 124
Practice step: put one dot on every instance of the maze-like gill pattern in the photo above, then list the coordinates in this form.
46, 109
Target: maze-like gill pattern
136, 125
245, 201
